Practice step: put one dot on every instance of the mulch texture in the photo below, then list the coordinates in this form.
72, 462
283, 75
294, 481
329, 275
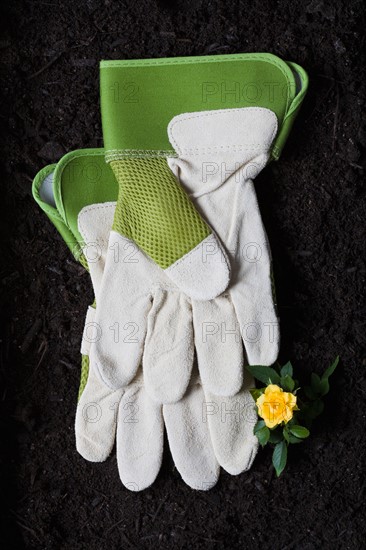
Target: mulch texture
313, 207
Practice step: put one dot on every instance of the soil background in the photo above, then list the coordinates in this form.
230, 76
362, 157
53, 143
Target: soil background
313, 205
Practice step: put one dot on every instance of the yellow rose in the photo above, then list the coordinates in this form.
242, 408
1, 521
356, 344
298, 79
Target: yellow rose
276, 406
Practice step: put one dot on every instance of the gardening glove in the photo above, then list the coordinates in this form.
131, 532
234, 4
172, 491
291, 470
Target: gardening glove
214, 155
203, 431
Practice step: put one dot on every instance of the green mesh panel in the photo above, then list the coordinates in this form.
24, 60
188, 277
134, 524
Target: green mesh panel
154, 211
84, 374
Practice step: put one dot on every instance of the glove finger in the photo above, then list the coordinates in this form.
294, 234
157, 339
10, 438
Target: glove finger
259, 325
190, 442
169, 350
231, 421
95, 422
218, 345
253, 291
124, 302
140, 439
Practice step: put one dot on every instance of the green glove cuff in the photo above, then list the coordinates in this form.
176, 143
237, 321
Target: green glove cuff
80, 178
48, 206
140, 97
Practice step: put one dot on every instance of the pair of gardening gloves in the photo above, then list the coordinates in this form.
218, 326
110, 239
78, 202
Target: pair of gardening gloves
165, 219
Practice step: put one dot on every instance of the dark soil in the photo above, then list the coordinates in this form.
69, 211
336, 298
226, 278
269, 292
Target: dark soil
313, 206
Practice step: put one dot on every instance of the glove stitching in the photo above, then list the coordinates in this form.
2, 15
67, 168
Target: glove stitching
183, 118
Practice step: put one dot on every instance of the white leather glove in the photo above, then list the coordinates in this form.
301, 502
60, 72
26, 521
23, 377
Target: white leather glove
204, 431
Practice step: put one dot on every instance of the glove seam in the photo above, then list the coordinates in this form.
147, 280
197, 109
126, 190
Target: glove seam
117, 154
184, 117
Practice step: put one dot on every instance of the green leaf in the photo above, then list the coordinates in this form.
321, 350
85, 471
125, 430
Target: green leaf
299, 431
324, 386
315, 382
256, 392
293, 439
275, 437
310, 393
287, 369
279, 457
259, 425
263, 435
292, 421
287, 383
317, 408
286, 435
331, 369
267, 375
312, 410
